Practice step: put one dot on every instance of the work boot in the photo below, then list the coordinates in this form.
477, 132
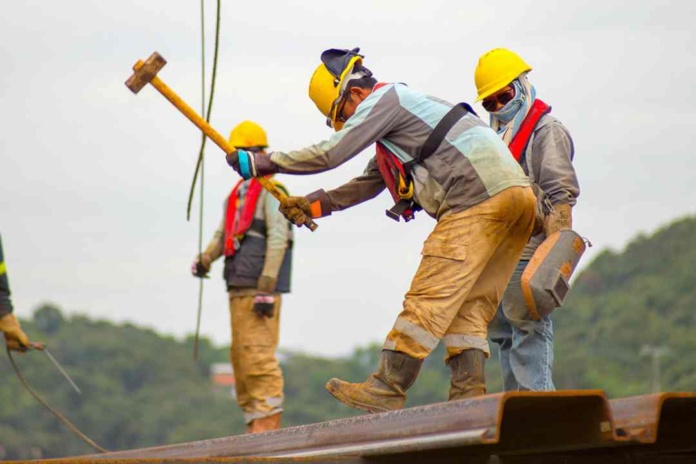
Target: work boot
264, 424
468, 378
384, 390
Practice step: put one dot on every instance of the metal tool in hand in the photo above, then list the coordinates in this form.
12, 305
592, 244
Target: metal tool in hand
42, 347
146, 73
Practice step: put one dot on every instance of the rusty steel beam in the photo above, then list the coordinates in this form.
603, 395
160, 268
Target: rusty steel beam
505, 422
668, 419
253, 460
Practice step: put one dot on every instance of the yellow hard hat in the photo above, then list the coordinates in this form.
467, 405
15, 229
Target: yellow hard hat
496, 69
328, 81
248, 134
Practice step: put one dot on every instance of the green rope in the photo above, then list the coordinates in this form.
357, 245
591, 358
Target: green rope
210, 106
200, 165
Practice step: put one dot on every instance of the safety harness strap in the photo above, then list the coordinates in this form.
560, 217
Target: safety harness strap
519, 142
438, 134
238, 222
406, 206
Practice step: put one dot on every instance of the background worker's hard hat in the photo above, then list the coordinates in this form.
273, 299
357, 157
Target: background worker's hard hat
327, 82
248, 134
496, 69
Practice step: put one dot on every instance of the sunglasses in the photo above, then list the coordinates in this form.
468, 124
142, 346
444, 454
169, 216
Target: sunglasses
490, 104
341, 103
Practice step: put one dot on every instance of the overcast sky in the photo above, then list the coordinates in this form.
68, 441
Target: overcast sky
94, 180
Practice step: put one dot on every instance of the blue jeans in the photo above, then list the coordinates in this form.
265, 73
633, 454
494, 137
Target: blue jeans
526, 345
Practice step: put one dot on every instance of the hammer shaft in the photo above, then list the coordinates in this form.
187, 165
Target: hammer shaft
214, 135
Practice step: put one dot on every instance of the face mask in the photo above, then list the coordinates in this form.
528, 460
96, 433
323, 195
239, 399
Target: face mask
508, 112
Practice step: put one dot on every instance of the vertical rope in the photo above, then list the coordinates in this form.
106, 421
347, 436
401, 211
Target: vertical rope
210, 106
200, 164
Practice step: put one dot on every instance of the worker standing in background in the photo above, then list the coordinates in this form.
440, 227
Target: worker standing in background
15, 337
256, 241
544, 149
482, 201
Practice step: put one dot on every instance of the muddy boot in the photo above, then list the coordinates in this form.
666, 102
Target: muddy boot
264, 424
468, 378
384, 390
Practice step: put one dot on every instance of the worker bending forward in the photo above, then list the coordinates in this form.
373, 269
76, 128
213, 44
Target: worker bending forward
544, 149
257, 244
445, 160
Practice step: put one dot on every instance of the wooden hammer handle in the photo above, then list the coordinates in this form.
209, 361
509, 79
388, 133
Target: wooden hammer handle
214, 135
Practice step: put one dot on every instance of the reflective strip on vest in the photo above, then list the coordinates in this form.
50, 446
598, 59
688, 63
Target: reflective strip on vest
466, 341
416, 333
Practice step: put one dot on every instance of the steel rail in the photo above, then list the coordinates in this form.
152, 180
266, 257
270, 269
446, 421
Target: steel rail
510, 421
575, 426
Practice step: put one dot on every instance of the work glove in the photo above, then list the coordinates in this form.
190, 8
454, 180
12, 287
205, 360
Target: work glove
296, 210
15, 337
201, 266
249, 164
264, 301
558, 219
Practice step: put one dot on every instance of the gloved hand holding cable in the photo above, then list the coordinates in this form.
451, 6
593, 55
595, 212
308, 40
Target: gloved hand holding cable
9, 325
15, 337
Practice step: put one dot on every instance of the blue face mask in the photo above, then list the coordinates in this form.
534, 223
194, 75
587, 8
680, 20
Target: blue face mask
508, 112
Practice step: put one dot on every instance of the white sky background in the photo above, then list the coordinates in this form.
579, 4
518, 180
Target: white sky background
94, 180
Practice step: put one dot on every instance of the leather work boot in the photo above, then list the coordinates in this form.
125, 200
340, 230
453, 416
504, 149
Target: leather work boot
264, 424
468, 377
384, 390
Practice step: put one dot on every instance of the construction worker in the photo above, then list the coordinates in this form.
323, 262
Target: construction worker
433, 156
544, 149
256, 241
15, 337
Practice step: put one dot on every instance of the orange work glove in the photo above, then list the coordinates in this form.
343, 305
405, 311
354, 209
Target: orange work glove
14, 335
296, 210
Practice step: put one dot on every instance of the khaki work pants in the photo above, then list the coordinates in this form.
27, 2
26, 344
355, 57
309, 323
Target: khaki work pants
467, 262
259, 380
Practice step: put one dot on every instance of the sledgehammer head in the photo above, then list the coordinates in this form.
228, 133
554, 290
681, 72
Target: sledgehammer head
145, 72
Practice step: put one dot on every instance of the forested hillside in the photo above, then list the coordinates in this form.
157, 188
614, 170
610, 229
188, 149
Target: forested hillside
626, 303
143, 389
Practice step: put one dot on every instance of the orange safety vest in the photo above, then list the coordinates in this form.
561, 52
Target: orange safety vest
519, 142
236, 224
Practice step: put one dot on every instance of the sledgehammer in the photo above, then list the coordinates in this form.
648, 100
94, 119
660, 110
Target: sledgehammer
146, 73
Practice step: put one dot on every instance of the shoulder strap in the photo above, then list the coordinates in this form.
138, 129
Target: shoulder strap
521, 139
438, 134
